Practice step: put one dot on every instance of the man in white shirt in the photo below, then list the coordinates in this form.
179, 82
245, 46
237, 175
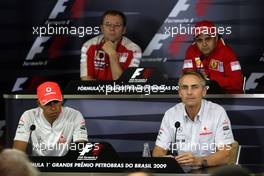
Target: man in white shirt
50, 127
204, 133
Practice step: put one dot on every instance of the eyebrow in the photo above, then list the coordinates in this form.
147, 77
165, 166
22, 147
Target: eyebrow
186, 85
206, 36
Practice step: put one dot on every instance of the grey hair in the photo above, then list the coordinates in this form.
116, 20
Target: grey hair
15, 162
193, 72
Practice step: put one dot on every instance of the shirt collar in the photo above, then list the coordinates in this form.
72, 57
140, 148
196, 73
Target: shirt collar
198, 116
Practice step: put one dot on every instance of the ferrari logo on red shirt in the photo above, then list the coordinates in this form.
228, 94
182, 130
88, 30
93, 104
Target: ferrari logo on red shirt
216, 65
213, 64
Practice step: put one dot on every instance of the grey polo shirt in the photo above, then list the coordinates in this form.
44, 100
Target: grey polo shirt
211, 128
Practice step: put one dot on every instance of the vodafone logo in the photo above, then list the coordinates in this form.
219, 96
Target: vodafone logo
48, 89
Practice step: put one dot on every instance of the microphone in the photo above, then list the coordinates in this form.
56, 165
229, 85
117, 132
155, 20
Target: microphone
30, 147
175, 152
201, 57
32, 128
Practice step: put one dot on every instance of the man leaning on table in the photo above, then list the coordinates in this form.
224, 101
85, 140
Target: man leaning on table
204, 134
51, 128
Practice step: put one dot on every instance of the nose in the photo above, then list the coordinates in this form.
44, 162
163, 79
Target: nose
204, 42
112, 27
189, 91
53, 106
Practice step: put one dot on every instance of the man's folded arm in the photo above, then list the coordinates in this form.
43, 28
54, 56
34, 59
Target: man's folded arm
159, 152
220, 157
20, 145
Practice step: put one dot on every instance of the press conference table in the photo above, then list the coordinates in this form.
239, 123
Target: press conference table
103, 174
257, 169
108, 163
140, 116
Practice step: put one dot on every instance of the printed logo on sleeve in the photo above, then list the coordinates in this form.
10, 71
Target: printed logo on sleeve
235, 66
123, 57
198, 62
187, 63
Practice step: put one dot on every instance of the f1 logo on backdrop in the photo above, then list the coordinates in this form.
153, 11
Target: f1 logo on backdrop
180, 6
37, 46
254, 80
156, 42
141, 75
137, 73
89, 152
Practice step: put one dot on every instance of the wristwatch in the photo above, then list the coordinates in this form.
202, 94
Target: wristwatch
204, 163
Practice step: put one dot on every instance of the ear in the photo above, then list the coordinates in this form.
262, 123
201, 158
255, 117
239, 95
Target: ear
124, 30
205, 90
179, 91
216, 38
41, 106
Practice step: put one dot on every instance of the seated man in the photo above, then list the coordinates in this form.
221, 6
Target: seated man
50, 127
204, 131
106, 56
211, 56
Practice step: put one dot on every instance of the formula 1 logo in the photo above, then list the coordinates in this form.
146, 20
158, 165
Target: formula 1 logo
38, 47
137, 73
141, 75
180, 6
255, 81
156, 42
89, 152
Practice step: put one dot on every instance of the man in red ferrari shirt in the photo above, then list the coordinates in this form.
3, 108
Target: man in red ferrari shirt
106, 56
214, 58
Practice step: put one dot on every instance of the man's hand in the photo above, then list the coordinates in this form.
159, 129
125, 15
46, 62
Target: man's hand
110, 47
188, 159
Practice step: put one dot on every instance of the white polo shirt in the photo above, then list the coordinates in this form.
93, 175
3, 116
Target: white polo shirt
211, 128
55, 139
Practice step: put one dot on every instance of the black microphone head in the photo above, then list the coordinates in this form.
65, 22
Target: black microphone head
32, 127
177, 124
201, 57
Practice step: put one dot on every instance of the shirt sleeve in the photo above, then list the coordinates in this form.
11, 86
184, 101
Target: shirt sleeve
224, 133
80, 131
189, 61
233, 79
86, 63
23, 128
136, 56
165, 136
83, 61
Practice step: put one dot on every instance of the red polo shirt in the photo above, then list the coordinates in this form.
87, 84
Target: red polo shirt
221, 65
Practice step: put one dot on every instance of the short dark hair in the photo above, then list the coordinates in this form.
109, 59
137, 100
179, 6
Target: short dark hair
193, 72
114, 12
